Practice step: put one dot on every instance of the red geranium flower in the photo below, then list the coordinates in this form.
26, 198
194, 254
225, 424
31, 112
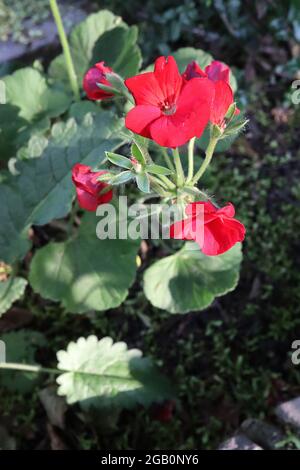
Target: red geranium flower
168, 109
218, 73
218, 230
94, 75
88, 189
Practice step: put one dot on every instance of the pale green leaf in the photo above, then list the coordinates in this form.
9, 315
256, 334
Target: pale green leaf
189, 280
119, 160
100, 373
143, 183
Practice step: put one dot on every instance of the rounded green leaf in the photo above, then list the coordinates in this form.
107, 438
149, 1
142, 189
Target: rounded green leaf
27, 89
10, 291
190, 280
100, 373
118, 49
185, 55
85, 273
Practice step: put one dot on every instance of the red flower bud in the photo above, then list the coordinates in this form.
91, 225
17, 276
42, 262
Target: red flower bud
94, 75
218, 73
88, 189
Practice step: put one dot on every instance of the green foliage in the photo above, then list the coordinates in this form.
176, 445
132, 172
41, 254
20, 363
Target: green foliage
100, 373
102, 36
21, 348
10, 291
85, 273
28, 111
189, 280
27, 89
43, 191
118, 49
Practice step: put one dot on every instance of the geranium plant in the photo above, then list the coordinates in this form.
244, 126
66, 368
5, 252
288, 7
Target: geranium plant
120, 131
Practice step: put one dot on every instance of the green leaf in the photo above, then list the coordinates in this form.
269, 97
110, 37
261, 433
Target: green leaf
119, 160
85, 273
185, 55
158, 170
189, 280
21, 347
82, 41
10, 291
103, 374
143, 183
11, 130
138, 154
118, 48
44, 191
27, 89
121, 178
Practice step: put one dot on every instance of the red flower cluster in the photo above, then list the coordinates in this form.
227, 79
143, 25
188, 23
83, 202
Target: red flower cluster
88, 189
218, 230
172, 108
169, 109
95, 75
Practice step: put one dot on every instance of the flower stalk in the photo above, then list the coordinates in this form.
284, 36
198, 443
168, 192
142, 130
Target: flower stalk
208, 156
178, 166
66, 49
191, 148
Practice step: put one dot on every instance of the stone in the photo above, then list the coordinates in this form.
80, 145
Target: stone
239, 442
289, 412
264, 434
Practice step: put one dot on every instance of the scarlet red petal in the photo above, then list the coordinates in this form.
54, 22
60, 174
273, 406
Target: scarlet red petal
222, 100
218, 71
93, 76
86, 200
228, 210
145, 89
222, 234
192, 71
139, 118
180, 230
167, 74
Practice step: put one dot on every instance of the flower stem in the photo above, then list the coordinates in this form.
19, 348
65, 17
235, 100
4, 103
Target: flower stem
66, 48
167, 182
191, 159
167, 159
28, 368
178, 166
208, 156
157, 186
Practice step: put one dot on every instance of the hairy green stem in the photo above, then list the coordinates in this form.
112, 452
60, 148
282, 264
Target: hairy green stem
167, 182
191, 148
167, 159
66, 48
28, 368
178, 166
208, 156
